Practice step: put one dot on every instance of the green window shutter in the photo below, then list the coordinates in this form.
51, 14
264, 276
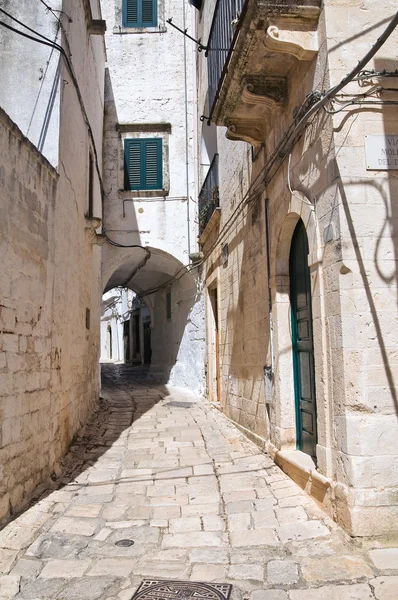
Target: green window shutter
143, 164
140, 13
132, 11
153, 164
149, 10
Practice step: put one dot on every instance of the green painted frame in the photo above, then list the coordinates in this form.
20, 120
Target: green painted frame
141, 143
140, 23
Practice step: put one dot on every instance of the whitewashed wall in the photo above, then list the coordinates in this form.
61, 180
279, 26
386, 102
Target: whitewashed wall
29, 90
145, 85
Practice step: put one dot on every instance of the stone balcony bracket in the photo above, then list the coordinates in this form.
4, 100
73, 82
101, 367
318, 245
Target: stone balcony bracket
303, 45
261, 98
276, 42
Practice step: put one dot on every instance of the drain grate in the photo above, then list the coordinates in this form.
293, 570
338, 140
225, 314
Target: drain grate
124, 543
154, 589
179, 404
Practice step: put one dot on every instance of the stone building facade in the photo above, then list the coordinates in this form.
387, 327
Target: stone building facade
299, 234
50, 276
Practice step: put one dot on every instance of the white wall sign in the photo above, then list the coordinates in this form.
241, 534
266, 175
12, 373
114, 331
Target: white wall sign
381, 152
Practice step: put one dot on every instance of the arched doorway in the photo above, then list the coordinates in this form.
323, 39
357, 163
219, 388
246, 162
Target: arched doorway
109, 342
302, 342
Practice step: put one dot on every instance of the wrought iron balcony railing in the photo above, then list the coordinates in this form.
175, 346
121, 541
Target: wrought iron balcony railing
209, 198
222, 36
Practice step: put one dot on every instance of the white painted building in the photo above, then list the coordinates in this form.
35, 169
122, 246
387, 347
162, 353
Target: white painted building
149, 180
115, 325
30, 73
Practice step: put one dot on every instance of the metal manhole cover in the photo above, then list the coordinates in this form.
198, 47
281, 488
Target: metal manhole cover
180, 404
154, 589
124, 543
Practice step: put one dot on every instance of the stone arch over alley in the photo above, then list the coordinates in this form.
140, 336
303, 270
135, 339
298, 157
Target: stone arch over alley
172, 295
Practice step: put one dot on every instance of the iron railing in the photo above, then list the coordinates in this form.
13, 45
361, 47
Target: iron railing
209, 198
223, 32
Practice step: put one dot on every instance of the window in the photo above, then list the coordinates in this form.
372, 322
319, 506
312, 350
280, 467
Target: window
168, 305
143, 164
140, 13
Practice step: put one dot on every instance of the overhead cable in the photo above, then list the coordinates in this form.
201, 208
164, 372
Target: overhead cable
47, 42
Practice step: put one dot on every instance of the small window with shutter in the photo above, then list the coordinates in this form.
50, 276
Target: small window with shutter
143, 164
140, 13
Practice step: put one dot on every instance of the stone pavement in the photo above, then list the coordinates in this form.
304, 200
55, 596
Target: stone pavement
200, 502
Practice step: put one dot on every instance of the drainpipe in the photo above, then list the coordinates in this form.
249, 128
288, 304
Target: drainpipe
184, 3
195, 126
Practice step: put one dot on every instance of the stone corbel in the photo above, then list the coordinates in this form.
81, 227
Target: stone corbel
92, 223
269, 92
245, 131
301, 44
260, 98
96, 239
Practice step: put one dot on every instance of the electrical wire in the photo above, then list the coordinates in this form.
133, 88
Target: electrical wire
113, 243
369, 74
47, 42
360, 103
54, 10
43, 79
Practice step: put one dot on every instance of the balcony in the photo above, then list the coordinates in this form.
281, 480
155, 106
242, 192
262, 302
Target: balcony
209, 200
255, 49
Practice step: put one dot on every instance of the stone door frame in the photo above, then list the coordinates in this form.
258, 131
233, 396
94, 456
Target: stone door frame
283, 432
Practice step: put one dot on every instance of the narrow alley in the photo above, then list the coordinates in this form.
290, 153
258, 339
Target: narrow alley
161, 485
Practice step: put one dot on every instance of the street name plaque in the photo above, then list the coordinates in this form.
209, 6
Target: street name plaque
381, 152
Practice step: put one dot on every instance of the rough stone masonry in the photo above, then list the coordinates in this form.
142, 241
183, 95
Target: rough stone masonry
200, 501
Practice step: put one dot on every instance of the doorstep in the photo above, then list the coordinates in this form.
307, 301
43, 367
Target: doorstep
301, 468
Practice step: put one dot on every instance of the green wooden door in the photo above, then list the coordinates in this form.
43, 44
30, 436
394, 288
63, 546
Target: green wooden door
302, 339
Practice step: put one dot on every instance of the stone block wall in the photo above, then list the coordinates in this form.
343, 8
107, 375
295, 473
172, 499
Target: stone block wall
28, 193
50, 278
366, 406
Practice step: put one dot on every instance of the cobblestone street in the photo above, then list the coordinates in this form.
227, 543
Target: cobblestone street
199, 500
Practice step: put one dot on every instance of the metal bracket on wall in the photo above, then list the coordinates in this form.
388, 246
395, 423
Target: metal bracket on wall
204, 118
184, 32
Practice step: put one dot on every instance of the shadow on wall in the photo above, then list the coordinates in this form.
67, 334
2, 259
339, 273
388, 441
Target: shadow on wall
372, 223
